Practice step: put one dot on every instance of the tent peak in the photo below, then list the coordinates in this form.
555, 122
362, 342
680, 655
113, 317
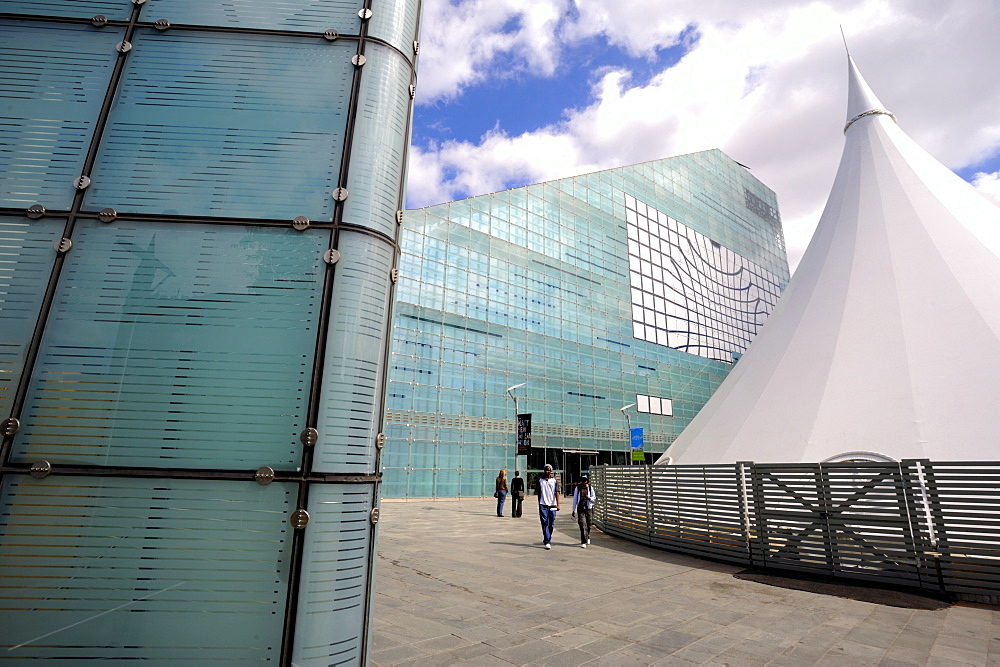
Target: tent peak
861, 101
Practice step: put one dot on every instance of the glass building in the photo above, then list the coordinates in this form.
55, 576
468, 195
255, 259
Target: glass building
634, 288
199, 216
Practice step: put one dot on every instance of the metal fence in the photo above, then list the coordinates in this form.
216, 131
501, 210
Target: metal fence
929, 525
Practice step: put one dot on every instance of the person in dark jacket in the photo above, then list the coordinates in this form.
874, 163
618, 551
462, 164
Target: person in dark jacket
516, 494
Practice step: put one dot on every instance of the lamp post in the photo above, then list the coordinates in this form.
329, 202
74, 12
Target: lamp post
628, 432
510, 392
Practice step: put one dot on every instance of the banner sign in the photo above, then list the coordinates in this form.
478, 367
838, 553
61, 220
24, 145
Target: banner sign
523, 434
638, 452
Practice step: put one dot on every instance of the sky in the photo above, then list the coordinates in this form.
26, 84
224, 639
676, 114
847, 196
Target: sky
512, 92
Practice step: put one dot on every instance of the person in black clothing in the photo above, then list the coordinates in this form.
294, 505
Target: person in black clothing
516, 494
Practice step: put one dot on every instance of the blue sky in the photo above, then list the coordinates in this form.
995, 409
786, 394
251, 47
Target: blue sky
512, 92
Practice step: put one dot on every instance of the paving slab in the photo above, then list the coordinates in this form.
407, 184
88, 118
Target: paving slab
455, 585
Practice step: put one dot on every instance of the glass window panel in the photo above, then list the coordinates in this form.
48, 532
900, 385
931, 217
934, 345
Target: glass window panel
225, 124
160, 346
26, 259
395, 21
379, 141
167, 570
116, 10
351, 394
333, 589
49, 105
297, 15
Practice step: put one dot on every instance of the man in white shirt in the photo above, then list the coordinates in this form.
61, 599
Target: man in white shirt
548, 503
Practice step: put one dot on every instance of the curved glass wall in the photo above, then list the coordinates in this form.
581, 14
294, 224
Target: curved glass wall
198, 239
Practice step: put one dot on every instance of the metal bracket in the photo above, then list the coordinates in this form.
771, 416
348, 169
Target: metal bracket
107, 215
380, 441
123, 46
62, 245
413, 91
10, 426
394, 275
264, 475
416, 47
300, 223
299, 519
339, 194
331, 35
99, 21
374, 515
40, 469
161, 24
358, 60
365, 14
81, 182
331, 256
309, 436
399, 217
35, 211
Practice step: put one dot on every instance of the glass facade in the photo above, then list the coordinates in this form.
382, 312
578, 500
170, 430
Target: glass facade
638, 286
199, 221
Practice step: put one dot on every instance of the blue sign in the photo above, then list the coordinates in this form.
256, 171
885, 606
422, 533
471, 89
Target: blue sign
637, 441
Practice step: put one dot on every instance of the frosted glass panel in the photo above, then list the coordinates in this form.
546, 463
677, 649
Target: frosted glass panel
351, 395
48, 106
116, 10
180, 346
163, 570
329, 626
299, 15
395, 21
229, 125
379, 141
26, 258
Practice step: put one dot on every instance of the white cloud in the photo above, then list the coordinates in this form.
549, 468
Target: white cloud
765, 82
988, 184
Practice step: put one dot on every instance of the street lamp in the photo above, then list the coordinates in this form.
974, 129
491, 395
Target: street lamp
628, 432
510, 393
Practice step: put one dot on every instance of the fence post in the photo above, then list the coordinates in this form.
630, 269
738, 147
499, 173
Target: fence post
757, 489
741, 478
649, 503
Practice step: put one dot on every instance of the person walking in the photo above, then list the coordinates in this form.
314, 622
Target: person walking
548, 503
583, 503
501, 492
516, 494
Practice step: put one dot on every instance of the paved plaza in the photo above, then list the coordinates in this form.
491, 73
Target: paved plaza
455, 584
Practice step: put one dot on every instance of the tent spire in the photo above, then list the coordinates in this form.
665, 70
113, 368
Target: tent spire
861, 101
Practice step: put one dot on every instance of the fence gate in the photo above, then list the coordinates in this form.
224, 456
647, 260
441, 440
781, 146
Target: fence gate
845, 520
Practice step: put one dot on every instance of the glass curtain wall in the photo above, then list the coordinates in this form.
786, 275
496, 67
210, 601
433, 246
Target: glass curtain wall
638, 286
199, 210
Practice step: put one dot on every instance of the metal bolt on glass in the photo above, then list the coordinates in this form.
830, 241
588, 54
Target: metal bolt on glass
40, 469
300, 519
264, 475
35, 211
107, 215
300, 223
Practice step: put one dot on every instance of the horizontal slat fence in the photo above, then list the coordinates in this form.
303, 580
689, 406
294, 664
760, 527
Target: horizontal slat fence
916, 523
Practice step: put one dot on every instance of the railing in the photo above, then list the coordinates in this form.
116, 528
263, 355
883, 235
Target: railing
934, 526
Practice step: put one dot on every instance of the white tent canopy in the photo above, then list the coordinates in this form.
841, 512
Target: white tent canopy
886, 343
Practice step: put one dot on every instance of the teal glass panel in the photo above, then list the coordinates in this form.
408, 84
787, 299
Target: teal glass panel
315, 16
53, 80
351, 394
116, 10
379, 143
186, 346
247, 126
26, 259
333, 588
395, 21
159, 570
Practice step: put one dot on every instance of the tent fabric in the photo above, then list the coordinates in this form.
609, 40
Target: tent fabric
886, 343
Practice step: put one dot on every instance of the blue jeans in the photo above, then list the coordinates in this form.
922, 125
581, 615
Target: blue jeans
548, 516
501, 497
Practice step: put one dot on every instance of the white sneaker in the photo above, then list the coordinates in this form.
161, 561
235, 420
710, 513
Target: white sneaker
548, 546
583, 546
588, 540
